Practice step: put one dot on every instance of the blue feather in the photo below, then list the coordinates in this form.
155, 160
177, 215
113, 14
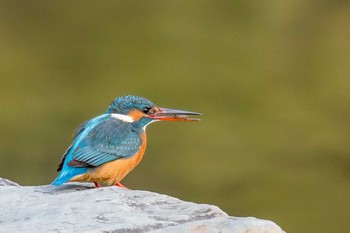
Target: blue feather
68, 172
98, 141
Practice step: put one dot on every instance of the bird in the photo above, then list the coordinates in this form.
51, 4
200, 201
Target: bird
109, 146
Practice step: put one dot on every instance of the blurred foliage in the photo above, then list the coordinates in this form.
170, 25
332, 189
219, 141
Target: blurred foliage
271, 77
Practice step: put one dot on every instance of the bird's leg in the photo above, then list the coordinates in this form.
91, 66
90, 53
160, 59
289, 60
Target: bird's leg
97, 185
120, 185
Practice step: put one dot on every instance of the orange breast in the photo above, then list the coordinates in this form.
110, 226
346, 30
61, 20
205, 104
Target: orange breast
114, 171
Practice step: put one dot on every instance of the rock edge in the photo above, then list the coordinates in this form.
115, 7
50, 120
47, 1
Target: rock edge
78, 207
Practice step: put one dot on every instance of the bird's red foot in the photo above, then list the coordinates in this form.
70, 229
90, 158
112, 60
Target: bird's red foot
97, 185
120, 185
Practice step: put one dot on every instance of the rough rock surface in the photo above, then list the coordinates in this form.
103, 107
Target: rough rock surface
78, 207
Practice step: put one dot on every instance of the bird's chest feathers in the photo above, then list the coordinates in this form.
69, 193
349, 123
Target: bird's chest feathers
115, 171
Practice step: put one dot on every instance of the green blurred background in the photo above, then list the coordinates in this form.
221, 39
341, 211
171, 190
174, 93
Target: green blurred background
270, 77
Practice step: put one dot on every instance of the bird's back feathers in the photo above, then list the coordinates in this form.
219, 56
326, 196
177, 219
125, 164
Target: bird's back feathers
98, 141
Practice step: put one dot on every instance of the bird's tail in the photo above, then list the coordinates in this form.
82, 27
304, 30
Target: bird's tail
68, 173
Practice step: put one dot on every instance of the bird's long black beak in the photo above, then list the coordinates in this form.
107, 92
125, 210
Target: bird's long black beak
166, 114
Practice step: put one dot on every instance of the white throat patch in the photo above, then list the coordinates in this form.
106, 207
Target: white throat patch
122, 117
144, 128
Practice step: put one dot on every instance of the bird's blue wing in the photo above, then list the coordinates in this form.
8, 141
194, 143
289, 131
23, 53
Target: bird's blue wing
80, 128
110, 140
97, 141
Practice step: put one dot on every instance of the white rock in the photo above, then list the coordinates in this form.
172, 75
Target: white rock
6, 182
78, 207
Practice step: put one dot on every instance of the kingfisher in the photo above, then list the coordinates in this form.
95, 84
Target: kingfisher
106, 148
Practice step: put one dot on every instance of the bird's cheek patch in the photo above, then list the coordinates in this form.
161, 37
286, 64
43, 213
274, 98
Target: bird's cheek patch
122, 117
136, 115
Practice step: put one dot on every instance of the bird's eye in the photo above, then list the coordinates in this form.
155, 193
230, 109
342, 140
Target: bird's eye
146, 110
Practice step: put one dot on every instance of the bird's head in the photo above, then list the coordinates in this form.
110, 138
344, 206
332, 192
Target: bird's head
132, 108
